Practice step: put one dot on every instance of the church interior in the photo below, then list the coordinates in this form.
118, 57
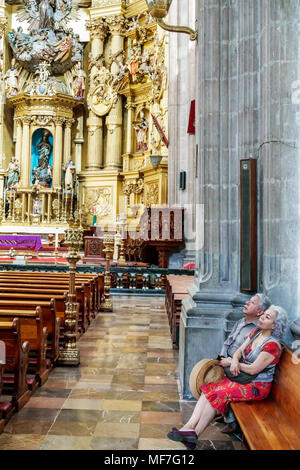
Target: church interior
149, 191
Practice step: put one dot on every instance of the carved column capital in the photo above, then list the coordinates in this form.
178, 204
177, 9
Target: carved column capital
97, 29
116, 25
3, 26
58, 121
69, 123
26, 120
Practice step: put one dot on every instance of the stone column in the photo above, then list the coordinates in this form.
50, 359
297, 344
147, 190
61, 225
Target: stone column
25, 162
57, 153
114, 119
68, 139
94, 159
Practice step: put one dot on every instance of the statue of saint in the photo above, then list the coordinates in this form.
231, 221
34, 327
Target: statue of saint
70, 171
79, 78
13, 173
46, 14
11, 79
41, 173
141, 133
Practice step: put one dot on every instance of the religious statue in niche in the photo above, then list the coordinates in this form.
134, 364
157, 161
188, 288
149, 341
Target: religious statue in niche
13, 173
141, 129
70, 174
42, 174
79, 78
11, 79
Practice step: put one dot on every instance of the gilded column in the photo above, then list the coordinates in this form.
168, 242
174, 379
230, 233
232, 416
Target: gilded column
25, 154
58, 153
94, 159
95, 142
114, 119
18, 150
3, 26
68, 139
130, 117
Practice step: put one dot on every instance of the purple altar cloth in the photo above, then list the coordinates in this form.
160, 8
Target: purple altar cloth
21, 241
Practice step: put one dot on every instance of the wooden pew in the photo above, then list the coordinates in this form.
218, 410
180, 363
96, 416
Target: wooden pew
176, 291
53, 290
31, 330
96, 281
274, 423
50, 318
14, 377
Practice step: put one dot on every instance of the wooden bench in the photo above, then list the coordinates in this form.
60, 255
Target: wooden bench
176, 291
14, 378
31, 330
50, 318
96, 283
81, 296
274, 423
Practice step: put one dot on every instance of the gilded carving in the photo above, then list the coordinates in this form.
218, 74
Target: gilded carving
152, 194
133, 186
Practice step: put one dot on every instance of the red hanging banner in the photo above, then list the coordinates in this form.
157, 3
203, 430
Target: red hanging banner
191, 127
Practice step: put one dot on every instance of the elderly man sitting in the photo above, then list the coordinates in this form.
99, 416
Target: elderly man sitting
253, 309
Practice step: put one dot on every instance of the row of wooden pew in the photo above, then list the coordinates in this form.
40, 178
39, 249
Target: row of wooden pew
32, 327
176, 288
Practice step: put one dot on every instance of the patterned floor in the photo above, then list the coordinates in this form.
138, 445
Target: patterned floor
124, 395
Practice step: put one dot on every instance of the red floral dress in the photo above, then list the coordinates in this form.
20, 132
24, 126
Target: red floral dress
224, 391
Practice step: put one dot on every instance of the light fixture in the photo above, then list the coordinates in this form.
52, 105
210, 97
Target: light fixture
155, 160
159, 9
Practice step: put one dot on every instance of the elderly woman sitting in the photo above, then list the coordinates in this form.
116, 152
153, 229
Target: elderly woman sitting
251, 374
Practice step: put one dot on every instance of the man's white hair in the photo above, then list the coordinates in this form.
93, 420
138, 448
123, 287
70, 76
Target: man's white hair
265, 302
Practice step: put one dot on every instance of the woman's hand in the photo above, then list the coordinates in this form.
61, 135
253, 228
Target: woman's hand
225, 362
235, 367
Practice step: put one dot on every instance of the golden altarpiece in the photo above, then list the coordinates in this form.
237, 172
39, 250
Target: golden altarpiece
83, 116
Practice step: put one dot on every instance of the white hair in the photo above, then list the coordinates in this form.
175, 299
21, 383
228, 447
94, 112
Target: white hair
265, 302
280, 321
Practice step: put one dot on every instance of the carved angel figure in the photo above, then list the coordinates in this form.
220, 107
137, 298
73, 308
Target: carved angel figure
79, 78
11, 79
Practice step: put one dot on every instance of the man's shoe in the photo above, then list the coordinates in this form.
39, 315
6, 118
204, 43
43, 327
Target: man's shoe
190, 445
230, 428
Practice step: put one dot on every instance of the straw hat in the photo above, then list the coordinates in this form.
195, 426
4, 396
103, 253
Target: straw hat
204, 372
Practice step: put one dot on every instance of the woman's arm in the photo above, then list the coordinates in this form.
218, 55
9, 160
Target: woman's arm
263, 360
235, 364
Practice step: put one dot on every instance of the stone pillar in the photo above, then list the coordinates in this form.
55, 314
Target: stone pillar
114, 119
94, 159
68, 139
57, 153
25, 162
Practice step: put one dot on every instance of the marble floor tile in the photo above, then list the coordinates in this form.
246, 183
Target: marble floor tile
87, 403
119, 430
20, 441
45, 402
109, 443
161, 417
122, 405
65, 443
77, 428
160, 444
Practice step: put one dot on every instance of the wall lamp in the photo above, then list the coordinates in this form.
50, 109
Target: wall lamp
155, 160
159, 9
